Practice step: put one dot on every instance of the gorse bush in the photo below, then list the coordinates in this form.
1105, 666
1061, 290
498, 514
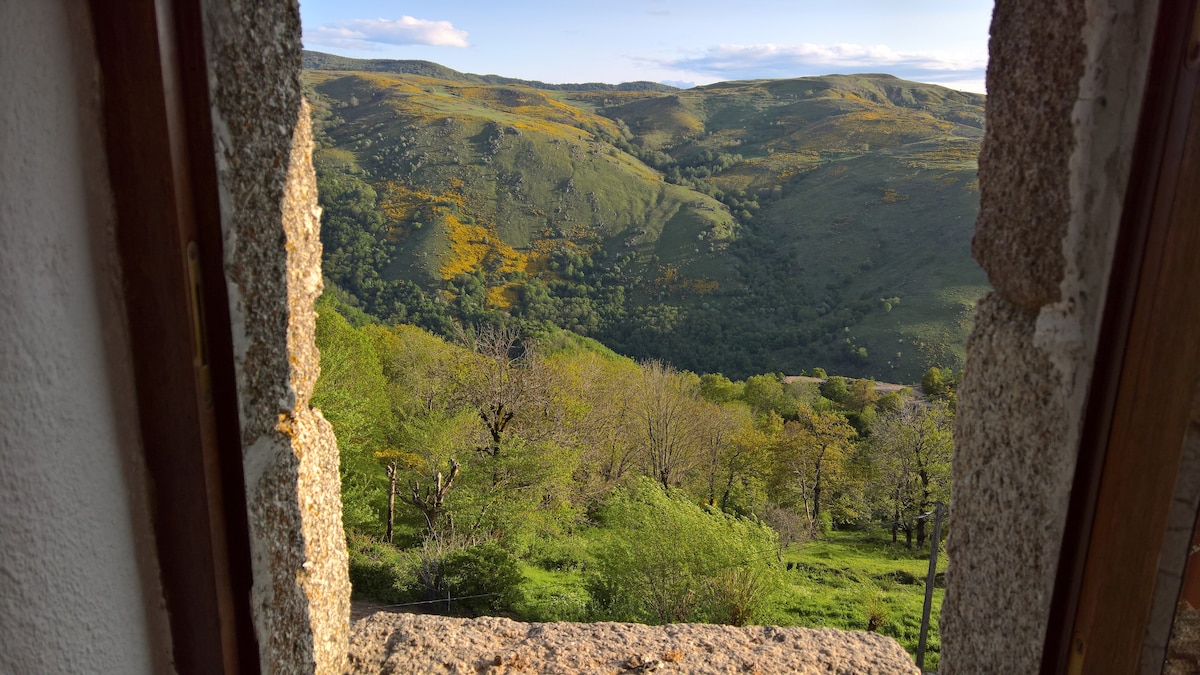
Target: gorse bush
664, 559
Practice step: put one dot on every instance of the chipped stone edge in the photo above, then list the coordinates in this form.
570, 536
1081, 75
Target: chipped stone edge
270, 232
1117, 35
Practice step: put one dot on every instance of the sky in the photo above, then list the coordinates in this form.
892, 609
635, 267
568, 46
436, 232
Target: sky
679, 42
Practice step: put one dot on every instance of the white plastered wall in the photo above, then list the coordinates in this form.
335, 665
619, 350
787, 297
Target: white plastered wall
78, 577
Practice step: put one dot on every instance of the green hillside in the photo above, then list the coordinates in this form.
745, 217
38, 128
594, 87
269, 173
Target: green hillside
741, 227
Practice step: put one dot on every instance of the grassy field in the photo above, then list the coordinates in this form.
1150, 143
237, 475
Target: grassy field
844, 579
841, 581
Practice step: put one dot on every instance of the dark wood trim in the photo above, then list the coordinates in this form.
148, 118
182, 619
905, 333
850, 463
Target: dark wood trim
162, 172
1128, 461
193, 64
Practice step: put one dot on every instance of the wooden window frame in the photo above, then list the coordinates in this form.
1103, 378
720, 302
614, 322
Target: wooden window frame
1140, 395
162, 170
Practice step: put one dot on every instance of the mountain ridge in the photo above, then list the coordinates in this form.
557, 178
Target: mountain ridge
314, 60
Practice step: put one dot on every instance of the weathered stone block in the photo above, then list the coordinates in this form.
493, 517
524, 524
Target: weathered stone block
1037, 58
301, 590
1011, 482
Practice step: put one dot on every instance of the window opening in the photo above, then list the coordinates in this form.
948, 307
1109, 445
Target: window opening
559, 318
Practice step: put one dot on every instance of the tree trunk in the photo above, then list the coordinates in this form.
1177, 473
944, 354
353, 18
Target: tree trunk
431, 503
728, 489
391, 516
816, 510
924, 476
712, 487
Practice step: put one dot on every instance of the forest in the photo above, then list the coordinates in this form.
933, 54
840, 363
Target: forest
544, 477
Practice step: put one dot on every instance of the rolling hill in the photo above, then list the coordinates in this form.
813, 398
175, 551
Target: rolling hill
742, 227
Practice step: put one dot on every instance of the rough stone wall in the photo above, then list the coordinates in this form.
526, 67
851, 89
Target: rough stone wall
79, 578
417, 643
1036, 56
1176, 614
270, 221
1065, 83
1183, 657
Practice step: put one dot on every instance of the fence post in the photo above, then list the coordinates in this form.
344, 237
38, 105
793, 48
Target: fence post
929, 579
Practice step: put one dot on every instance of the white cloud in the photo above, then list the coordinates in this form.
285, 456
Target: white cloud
370, 33
978, 86
770, 60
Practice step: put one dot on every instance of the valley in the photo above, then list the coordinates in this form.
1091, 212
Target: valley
740, 228
559, 317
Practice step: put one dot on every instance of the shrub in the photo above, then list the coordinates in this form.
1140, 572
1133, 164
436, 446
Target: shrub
486, 575
377, 570
791, 526
563, 553
553, 602
835, 390
875, 608
662, 559
483, 570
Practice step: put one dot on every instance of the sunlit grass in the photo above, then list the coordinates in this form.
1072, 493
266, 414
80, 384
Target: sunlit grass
842, 580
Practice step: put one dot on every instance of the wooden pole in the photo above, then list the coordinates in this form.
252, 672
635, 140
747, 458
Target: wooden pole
929, 579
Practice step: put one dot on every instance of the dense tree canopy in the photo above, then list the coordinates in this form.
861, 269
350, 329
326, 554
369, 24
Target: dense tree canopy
547, 449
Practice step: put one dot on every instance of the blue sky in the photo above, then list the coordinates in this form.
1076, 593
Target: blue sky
673, 41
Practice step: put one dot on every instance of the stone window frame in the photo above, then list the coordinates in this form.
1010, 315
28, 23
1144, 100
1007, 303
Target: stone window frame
209, 150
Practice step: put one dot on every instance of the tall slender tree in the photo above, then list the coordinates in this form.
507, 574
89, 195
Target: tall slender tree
809, 457
665, 405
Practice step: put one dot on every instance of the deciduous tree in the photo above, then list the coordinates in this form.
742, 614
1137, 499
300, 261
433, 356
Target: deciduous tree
809, 456
667, 415
912, 448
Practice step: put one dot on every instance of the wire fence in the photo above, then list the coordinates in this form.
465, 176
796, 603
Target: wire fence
758, 556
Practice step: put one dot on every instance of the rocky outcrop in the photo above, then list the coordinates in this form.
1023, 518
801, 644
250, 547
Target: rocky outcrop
416, 643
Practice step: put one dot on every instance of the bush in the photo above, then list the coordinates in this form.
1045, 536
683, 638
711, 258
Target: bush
663, 559
433, 571
791, 527
377, 570
563, 553
553, 602
484, 570
835, 390
876, 610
